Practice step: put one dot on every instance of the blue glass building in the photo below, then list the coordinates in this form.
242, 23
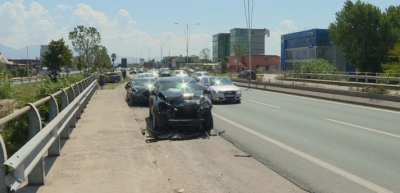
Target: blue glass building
310, 44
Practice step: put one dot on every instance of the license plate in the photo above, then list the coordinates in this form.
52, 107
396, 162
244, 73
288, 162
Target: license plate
229, 95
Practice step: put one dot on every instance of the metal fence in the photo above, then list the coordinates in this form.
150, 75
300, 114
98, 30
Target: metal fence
386, 78
28, 162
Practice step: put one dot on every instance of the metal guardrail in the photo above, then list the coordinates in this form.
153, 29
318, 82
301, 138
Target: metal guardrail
28, 161
375, 77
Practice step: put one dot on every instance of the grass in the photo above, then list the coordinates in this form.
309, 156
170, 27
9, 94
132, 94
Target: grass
25, 92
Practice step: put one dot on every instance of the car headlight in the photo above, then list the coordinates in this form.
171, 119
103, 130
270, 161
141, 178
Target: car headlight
238, 91
205, 105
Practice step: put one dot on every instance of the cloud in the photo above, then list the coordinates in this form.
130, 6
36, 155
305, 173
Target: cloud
21, 25
273, 43
35, 25
289, 24
63, 7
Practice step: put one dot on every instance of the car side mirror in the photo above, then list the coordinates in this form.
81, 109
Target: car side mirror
206, 91
234, 83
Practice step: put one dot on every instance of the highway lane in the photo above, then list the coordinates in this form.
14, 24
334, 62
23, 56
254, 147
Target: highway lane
321, 146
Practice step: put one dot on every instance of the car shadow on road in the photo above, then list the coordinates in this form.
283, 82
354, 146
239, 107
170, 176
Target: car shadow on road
226, 103
174, 134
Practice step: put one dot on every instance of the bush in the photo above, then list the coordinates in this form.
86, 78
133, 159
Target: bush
314, 66
7, 88
375, 90
15, 132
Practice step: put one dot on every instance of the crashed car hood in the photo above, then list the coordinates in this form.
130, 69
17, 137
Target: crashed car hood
180, 98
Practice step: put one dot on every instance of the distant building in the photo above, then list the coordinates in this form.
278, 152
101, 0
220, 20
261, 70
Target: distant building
43, 50
310, 44
221, 48
4, 60
270, 63
223, 43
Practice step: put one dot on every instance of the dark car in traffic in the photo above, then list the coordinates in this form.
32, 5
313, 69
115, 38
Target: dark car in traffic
247, 74
138, 90
178, 102
112, 77
133, 71
164, 72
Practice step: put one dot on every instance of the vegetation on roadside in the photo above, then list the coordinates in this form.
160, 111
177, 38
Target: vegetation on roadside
365, 34
15, 132
314, 66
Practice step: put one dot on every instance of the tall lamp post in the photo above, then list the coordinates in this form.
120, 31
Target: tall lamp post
149, 53
249, 21
161, 48
187, 34
27, 62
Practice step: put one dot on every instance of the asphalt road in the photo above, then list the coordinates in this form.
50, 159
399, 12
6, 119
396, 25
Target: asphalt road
319, 145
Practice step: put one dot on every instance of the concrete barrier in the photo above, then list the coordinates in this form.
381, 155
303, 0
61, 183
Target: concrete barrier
391, 102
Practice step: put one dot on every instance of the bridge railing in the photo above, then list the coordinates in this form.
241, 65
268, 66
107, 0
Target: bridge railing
357, 77
28, 162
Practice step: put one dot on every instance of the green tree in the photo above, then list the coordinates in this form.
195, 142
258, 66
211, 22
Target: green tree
79, 62
113, 56
57, 56
392, 16
84, 40
363, 35
205, 55
224, 66
393, 68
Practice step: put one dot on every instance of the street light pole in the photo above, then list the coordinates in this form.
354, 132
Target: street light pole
161, 48
27, 55
149, 53
187, 34
249, 18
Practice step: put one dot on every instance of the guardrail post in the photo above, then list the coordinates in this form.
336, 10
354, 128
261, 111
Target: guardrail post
3, 168
78, 92
71, 97
71, 94
76, 89
22, 80
64, 103
36, 177
54, 149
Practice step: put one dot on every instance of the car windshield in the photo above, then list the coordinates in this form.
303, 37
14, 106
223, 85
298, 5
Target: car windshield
179, 86
180, 72
143, 82
216, 81
146, 75
203, 74
164, 70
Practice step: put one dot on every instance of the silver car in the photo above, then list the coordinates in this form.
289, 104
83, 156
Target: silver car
179, 73
221, 89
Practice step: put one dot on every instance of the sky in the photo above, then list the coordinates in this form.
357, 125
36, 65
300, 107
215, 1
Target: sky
133, 28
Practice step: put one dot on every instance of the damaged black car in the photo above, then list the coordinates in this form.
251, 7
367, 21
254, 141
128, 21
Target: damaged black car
179, 104
138, 90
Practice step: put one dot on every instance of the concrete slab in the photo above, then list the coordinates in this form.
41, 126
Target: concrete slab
105, 153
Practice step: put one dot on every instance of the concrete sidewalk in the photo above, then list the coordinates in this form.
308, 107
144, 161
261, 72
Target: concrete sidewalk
105, 153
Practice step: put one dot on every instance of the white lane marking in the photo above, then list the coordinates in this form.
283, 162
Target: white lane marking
332, 102
330, 167
365, 128
265, 104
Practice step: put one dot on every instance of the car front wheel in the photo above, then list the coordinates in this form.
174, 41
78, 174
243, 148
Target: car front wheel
208, 121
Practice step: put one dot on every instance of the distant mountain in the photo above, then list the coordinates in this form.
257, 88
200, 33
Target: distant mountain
33, 51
